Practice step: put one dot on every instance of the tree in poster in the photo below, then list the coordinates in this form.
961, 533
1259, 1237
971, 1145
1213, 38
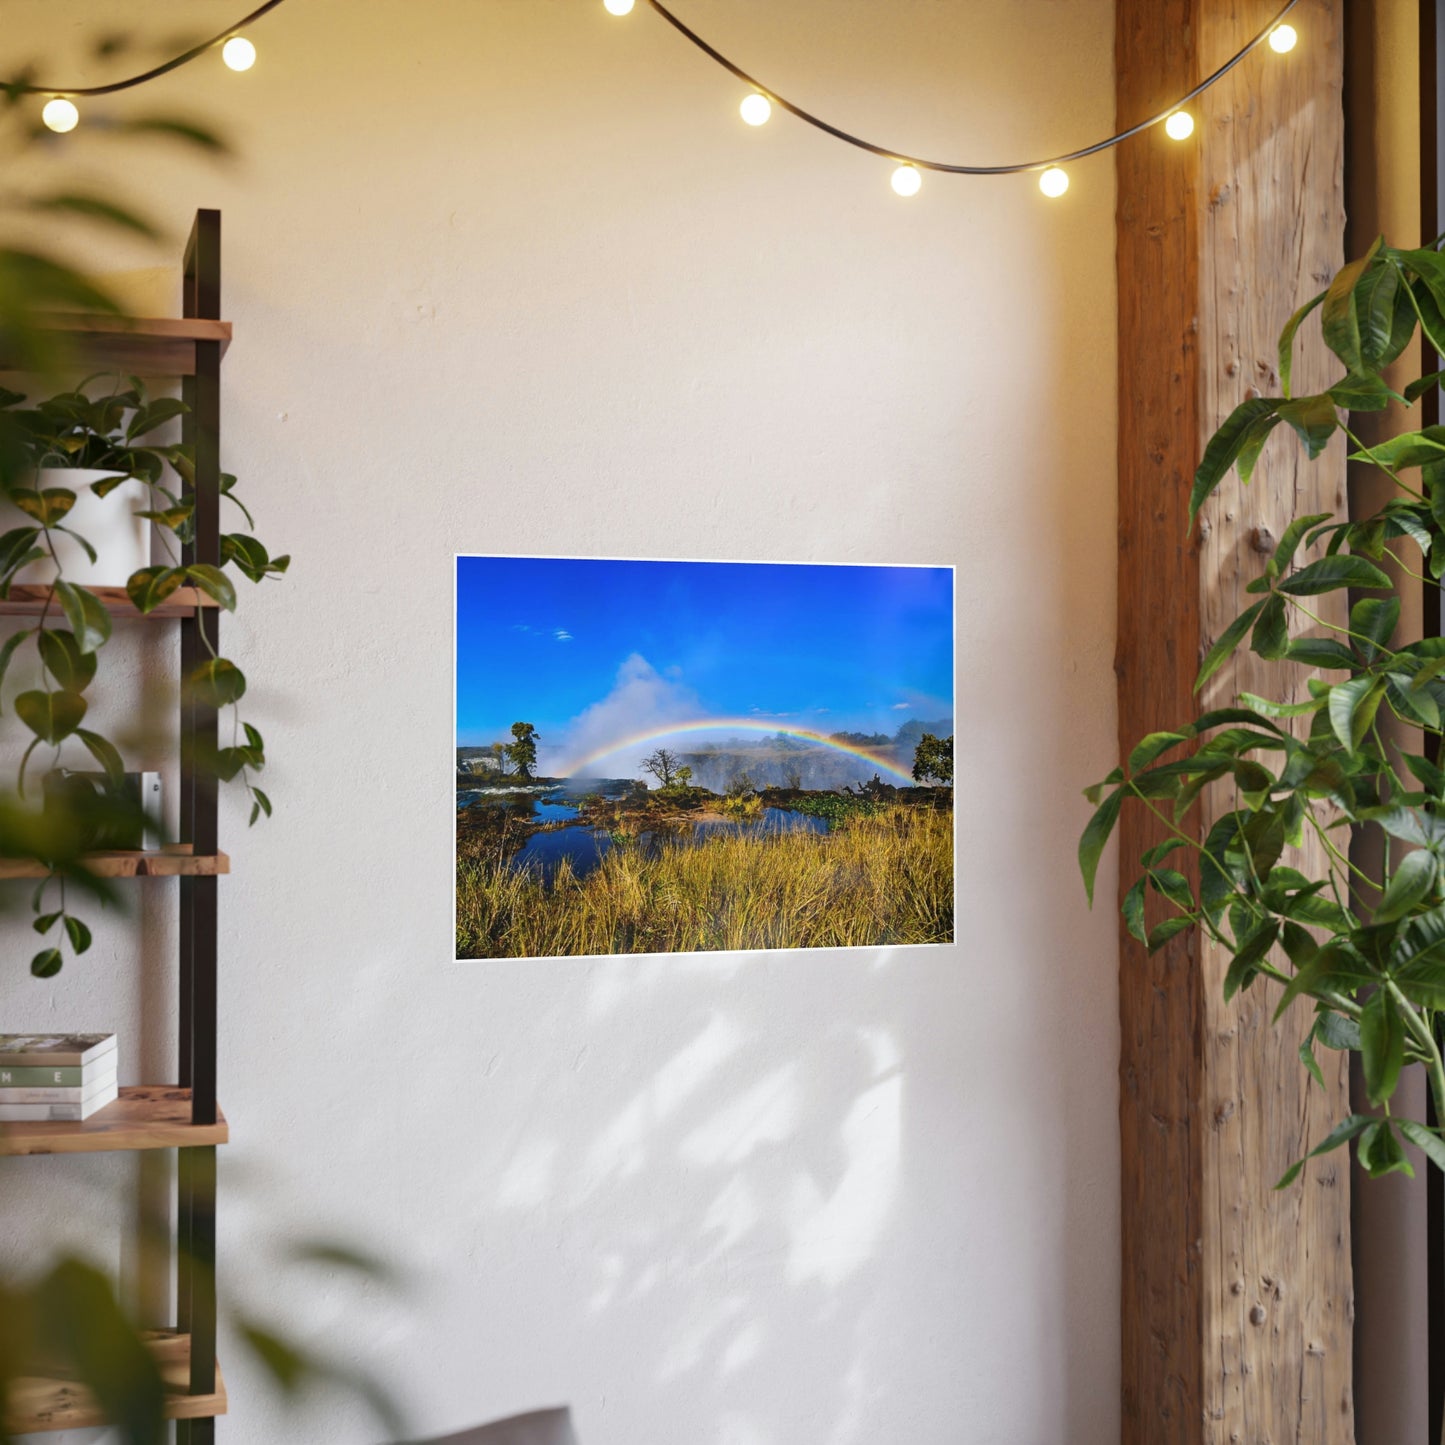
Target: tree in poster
933, 760
523, 752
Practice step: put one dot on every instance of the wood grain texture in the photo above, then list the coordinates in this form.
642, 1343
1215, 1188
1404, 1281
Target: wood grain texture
176, 861
149, 346
147, 1116
51, 1402
27, 600
1236, 1300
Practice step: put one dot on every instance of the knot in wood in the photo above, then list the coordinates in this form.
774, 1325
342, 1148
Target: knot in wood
1258, 1315
1263, 540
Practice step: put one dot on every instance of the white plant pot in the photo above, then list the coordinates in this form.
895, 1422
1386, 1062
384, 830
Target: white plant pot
122, 540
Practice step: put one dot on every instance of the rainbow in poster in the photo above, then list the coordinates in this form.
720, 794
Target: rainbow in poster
665, 757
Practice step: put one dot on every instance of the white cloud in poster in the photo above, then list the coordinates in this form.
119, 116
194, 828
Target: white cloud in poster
642, 701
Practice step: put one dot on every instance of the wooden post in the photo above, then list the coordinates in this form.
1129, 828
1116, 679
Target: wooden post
1236, 1300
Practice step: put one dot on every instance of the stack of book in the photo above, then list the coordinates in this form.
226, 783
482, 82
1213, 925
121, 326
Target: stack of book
57, 1077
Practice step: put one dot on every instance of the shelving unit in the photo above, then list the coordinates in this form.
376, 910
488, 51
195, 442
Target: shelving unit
183, 1116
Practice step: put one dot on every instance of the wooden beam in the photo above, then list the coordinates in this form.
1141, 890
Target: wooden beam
1236, 1300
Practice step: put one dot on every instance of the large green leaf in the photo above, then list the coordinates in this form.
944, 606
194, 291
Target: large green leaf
216, 683
1374, 619
149, 587
1339, 322
1231, 637
214, 583
1244, 967
1412, 881
89, 621
1375, 295
1382, 1046
51, 716
71, 668
1427, 1141
1224, 448
1095, 836
1353, 706
1313, 419
1271, 630
1331, 573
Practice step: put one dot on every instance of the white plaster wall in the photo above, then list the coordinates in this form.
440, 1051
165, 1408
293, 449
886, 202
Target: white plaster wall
511, 275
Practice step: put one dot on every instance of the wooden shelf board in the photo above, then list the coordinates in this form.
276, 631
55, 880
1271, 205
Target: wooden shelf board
29, 600
150, 345
146, 1116
40, 1402
177, 861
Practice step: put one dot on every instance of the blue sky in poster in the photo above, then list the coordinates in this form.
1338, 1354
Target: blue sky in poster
595, 651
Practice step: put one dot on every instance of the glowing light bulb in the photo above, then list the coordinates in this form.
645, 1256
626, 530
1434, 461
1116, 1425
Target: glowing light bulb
60, 114
239, 53
1283, 39
756, 109
619, 7
907, 181
1179, 126
1054, 182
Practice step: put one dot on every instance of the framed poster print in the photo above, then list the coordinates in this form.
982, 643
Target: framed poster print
670, 757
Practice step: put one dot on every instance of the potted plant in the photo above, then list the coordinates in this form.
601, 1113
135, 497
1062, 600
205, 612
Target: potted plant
72, 437
1373, 974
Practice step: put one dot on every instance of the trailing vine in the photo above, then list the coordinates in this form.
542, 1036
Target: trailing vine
1375, 973
110, 432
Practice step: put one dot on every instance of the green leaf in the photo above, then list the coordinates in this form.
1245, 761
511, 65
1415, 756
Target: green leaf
1374, 301
1382, 1046
1271, 631
262, 801
1286, 340
1293, 1172
1420, 386
1427, 1141
214, 583
1331, 969
46, 963
154, 414
1280, 709
1133, 910
1412, 880
1320, 652
47, 921
216, 682
1335, 1031
1313, 419
86, 207
8, 650
1361, 393
71, 668
1374, 618
51, 716
1095, 836
1307, 1057
104, 752
1244, 966
1289, 542
1224, 448
78, 934
1431, 776
1331, 573
89, 621
149, 587
47, 507
1338, 321
1353, 706
1163, 932
1409, 449
1219, 654
1381, 1153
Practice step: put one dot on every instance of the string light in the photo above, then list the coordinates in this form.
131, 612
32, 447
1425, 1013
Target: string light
907, 180
60, 114
239, 53
1054, 182
756, 109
